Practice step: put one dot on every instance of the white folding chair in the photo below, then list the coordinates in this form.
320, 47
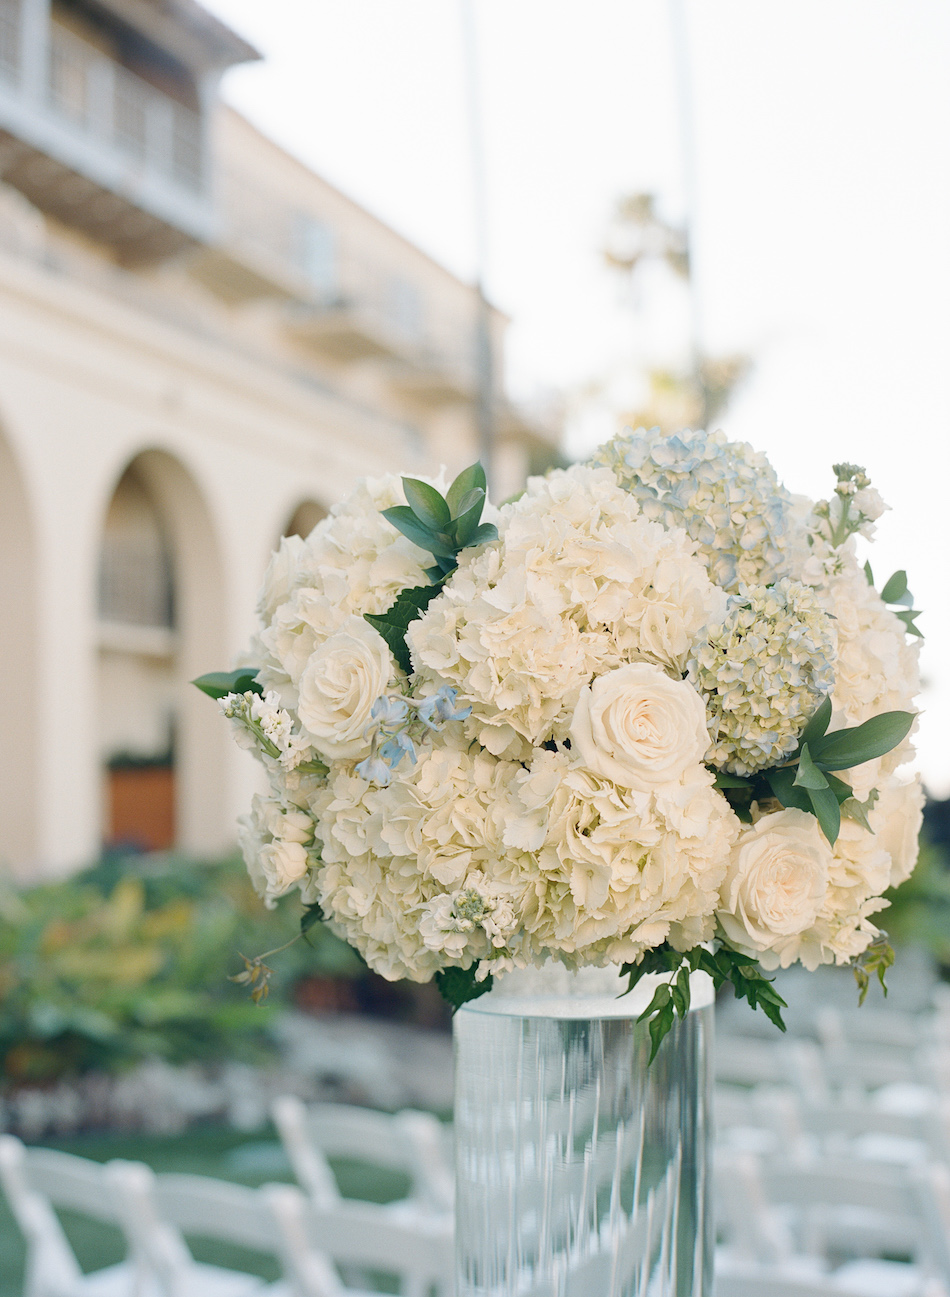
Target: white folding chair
414, 1143
35, 1180
157, 1211
774, 1281
358, 1238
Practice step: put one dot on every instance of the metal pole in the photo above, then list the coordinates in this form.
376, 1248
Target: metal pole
482, 333
687, 133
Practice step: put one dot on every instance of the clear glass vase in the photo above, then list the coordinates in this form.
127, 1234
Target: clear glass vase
581, 1171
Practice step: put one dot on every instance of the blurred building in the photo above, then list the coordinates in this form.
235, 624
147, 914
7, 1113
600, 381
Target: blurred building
202, 346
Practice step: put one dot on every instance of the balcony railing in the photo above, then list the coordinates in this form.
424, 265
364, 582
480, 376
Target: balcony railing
96, 145
102, 99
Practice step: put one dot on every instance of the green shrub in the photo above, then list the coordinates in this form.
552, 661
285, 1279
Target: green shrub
919, 913
131, 959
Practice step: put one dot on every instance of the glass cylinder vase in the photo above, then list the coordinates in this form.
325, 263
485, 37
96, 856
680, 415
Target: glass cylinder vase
581, 1170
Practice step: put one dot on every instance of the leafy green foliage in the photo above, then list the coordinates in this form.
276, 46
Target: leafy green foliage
671, 999
807, 782
874, 961
458, 985
443, 526
395, 621
896, 593
218, 684
129, 959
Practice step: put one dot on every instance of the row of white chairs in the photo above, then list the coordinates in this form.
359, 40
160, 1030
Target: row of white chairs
415, 1144
321, 1251
897, 1124
831, 1224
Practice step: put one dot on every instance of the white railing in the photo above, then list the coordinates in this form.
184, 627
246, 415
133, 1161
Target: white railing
115, 106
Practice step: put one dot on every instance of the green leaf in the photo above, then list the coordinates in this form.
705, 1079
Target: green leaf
851, 747
218, 684
874, 961
395, 621
782, 783
470, 479
426, 503
726, 780
827, 812
312, 915
808, 775
852, 809
458, 985
908, 618
404, 520
840, 789
895, 589
486, 532
467, 522
868, 573
660, 1026
817, 724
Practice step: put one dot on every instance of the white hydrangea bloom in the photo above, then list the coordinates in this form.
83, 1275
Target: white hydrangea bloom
577, 584
353, 562
610, 869
876, 666
763, 672
724, 494
387, 852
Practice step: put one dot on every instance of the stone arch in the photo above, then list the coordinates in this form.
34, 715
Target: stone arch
304, 518
19, 751
162, 621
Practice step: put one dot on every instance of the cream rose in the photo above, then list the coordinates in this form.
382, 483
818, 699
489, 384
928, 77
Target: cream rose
775, 884
342, 679
639, 728
282, 864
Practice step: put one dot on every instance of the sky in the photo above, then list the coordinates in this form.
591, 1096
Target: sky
820, 205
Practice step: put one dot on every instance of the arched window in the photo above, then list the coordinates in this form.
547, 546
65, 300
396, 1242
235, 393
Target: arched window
136, 586
161, 623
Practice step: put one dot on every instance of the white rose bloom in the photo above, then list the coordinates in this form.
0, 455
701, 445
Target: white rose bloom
283, 864
340, 683
639, 728
272, 840
775, 885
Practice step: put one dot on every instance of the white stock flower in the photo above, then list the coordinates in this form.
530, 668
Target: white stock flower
639, 728
775, 886
340, 683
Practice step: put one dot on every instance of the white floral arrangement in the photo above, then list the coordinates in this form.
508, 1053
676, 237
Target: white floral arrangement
653, 713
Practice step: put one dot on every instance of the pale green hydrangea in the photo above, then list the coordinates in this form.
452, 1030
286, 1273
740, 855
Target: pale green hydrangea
724, 494
763, 672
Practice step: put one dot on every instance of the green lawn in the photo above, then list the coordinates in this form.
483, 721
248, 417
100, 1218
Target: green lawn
225, 1154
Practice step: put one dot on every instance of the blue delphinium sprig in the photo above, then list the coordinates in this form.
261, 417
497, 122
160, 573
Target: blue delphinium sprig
399, 723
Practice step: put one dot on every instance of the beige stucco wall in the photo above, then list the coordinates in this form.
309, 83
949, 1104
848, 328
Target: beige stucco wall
232, 422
